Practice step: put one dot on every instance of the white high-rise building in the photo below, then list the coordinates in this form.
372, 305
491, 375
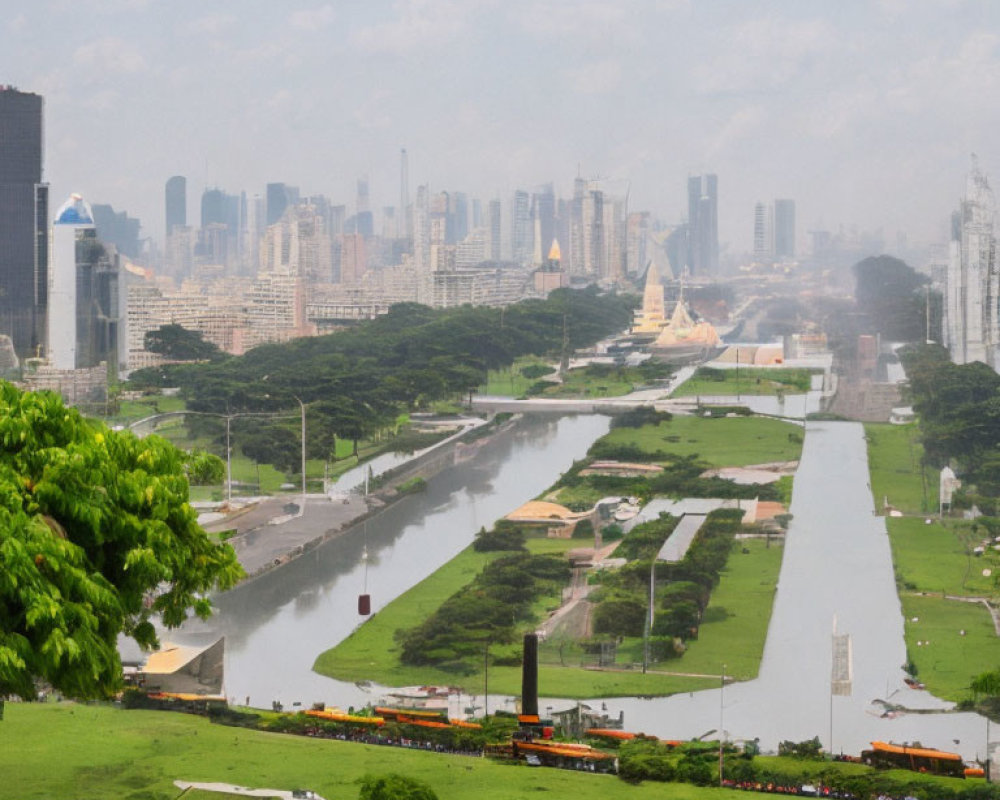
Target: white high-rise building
73, 219
972, 289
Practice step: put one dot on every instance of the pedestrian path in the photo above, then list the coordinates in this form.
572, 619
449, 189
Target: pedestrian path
244, 791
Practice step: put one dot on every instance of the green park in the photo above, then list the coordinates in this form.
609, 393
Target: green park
727, 598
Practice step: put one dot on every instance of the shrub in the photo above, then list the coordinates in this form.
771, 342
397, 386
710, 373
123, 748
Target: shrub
584, 529
394, 787
620, 617
500, 538
533, 371
640, 417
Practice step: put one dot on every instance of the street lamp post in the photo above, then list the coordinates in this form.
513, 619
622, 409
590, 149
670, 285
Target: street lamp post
722, 711
229, 464
302, 408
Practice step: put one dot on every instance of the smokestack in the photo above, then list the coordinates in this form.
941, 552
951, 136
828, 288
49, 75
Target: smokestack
529, 677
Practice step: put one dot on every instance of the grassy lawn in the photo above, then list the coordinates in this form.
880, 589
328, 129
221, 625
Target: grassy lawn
936, 557
131, 410
585, 383
76, 751
948, 661
745, 380
583, 493
722, 442
371, 653
510, 382
894, 454
734, 634
735, 624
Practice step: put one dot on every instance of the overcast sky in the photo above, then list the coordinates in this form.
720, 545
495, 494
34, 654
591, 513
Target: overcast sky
864, 112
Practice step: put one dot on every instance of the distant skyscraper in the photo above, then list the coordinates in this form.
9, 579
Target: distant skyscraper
364, 222
972, 295
703, 224
24, 215
85, 305
784, 228
213, 207
576, 237
406, 213
117, 228
495, 245
543, 213
521, 228
594, 251
422, 245
762, 247
278, 198
176, 202
458, 217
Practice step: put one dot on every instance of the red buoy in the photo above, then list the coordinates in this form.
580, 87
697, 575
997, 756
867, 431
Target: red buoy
364, 604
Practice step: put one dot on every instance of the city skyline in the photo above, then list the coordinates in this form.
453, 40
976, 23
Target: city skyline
838, 109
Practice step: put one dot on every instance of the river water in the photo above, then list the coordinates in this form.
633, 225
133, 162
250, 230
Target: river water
277, 624
837, 566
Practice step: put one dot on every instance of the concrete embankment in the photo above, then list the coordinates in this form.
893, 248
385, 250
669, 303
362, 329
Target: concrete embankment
267, 536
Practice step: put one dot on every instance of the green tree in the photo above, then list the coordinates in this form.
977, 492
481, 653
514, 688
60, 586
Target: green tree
394, 787
272, 444
92, 523
177, 342
203, 468
891, 293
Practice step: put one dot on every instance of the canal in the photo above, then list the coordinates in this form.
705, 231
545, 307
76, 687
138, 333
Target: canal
837, 570
277, 624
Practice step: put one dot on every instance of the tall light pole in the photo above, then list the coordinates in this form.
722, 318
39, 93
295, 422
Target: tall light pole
722, 733
229, 464
302, 408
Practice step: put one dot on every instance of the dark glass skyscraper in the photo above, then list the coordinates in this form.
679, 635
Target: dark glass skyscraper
784, 228
23, 221
703, 224
279, 197
176, 202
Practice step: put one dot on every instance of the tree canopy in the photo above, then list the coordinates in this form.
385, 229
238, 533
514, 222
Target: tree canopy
357, 381
96, 536
177, 342
394, 787
890, 293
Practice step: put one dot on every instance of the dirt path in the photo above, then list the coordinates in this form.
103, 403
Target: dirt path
572, 618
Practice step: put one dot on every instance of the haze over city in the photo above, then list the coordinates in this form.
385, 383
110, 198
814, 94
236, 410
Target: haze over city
865, 113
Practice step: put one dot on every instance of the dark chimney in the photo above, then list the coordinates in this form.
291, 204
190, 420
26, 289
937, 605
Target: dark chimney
529, 676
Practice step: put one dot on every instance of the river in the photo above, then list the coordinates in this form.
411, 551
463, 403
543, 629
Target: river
277, 624
837, 565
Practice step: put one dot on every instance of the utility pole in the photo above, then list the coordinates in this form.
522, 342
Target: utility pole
722, 733
302, 409
648, 627
229, 464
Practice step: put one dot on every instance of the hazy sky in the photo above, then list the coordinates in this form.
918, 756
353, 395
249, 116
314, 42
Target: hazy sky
863, 112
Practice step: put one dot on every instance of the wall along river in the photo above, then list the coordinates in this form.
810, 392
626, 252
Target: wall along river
837, 566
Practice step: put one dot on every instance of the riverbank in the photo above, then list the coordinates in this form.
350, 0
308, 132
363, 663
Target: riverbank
269, 535
731, 634
947, 590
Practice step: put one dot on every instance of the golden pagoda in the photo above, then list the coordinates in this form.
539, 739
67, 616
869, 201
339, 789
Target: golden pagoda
678, 333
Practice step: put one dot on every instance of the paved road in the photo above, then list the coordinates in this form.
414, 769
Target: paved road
260, 544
